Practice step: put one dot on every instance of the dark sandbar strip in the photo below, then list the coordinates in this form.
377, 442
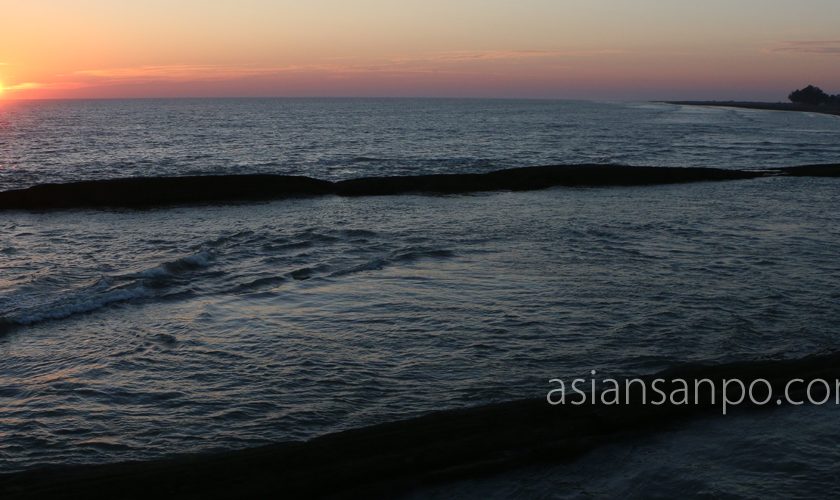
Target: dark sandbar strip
402, 455
155, 191
812, 171
533, 178
159, 191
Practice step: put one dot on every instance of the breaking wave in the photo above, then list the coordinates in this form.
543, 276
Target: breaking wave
30, 308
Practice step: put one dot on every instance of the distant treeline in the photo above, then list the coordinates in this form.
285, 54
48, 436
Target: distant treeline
814, 96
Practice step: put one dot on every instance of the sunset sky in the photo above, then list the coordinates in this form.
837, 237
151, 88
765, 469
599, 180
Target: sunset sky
598, 49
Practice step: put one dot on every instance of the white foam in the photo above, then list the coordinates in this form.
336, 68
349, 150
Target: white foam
83, 303
30, 309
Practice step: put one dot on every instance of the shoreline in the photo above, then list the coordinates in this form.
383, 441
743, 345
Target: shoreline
400, 456
765, 106
145, 192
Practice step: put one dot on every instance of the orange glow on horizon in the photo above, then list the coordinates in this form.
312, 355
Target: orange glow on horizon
611, 49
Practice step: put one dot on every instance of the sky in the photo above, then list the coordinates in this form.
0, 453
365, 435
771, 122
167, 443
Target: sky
568, 49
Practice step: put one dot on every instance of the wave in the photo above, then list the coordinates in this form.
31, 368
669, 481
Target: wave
157, 191
264, 282
177, 266
413, 255
81, 301
404, 255
107, 291
175, 278
441, 446
367, 159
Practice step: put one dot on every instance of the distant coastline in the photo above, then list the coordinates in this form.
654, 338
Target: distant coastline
769, 106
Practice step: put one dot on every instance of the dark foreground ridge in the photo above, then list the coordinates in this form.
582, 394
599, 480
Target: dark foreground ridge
144, 192
399, 456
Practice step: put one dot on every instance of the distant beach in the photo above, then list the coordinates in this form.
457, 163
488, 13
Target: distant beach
768, 106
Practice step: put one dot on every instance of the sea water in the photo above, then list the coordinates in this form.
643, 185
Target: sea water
136, 334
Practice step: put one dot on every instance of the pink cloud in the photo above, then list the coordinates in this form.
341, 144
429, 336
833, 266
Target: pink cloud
828, 47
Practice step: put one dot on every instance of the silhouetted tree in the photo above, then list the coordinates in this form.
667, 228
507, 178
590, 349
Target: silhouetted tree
810, 95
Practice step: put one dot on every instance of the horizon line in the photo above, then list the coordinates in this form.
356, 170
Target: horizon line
486, 98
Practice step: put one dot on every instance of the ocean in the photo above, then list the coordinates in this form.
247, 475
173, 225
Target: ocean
137, 334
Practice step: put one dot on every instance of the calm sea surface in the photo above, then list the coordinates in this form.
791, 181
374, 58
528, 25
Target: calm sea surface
343, 138
136, 334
